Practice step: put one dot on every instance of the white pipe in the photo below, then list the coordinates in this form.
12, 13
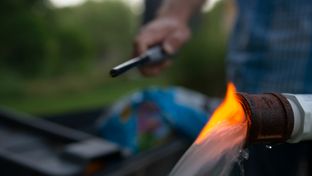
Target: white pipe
302, 108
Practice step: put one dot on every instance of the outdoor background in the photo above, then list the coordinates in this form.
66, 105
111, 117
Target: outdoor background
56, 58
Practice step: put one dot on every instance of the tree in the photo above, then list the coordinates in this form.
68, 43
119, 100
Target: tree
25, 26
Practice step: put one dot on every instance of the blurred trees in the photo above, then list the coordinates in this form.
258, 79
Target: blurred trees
50, 54
37, 40
24, 32
105, 28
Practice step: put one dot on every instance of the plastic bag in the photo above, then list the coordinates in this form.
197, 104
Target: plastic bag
149, 118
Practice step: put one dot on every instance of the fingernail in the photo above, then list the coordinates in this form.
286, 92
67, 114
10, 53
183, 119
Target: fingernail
168, 48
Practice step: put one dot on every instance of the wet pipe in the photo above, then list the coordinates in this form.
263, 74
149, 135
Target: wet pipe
275, 117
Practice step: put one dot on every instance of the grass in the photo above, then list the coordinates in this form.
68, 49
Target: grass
73, 93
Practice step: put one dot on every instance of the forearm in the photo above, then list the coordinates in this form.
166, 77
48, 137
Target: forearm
181, 10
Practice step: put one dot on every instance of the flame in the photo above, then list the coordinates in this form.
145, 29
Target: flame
230, 111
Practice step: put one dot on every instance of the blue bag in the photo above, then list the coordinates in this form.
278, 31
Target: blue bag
149, 118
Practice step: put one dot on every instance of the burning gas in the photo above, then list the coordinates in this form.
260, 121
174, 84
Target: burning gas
219, 144
230, 111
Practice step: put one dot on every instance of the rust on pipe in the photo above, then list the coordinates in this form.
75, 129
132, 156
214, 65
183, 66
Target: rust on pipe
270, 116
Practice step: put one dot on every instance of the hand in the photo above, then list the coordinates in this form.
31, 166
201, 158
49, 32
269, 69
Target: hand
170, 32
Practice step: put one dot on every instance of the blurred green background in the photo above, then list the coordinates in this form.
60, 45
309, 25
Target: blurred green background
54, 60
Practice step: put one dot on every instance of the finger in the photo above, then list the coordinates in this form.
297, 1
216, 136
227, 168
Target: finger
149, 72
140, 46
147, 39
155, 69
175, 41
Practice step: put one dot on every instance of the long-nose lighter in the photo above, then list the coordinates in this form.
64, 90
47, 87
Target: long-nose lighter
152, 55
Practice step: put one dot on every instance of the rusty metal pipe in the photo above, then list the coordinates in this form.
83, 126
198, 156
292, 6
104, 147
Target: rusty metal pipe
271, 118
275, 117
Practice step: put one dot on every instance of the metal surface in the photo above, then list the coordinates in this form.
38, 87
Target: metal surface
270, 117
38, 147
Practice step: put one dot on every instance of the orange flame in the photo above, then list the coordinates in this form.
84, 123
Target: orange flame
230, 111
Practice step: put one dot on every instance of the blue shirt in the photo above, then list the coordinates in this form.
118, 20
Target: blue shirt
271, 46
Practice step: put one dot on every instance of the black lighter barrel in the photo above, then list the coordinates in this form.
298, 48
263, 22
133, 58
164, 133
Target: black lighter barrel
152, 55
127, 66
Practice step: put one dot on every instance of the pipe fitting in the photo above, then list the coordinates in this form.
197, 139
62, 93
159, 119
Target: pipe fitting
271, 118
302, 108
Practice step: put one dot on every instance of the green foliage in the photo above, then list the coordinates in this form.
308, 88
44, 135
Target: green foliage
108, 26
39, 41
53, 60
23, 32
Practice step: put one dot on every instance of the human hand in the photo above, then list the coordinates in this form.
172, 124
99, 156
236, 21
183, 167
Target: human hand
171, 33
